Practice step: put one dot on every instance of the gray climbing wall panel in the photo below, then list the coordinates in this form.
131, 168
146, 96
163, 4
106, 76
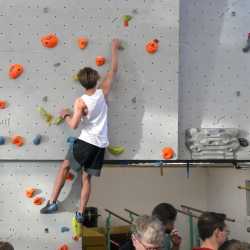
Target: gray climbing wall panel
20, 220
214, 71
144, 101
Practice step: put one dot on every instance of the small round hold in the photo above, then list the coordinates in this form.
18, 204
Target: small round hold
71, 139
64, 229
233, 13
243, 142
248, 229
2, 140
45, 10
46, 230
37, 139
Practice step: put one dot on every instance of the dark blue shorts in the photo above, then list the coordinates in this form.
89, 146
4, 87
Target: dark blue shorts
85, 156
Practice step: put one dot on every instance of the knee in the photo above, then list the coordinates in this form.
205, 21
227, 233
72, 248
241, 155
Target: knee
65, 165
86, 177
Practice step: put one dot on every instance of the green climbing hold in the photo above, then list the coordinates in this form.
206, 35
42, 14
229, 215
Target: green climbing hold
116, 150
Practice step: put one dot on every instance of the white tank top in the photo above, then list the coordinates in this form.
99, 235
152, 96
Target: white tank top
95, 127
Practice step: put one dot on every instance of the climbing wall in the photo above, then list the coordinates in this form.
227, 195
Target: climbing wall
144, 101
20, 220
214, 70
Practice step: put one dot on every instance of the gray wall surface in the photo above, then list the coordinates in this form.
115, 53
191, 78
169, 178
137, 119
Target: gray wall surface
214, 71
143, 105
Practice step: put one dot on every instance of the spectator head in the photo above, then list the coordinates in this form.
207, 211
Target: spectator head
6, 246
212, 226
148, 233
234, 245
166, 213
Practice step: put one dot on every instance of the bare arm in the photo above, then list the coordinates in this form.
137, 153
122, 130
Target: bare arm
107, 82
80, 109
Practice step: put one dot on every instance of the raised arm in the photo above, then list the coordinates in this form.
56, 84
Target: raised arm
107, 82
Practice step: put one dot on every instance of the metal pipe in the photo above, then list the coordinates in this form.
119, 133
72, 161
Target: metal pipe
201, 211
131, 212
117, 216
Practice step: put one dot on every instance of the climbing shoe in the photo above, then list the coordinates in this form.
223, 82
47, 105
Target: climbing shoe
80, 217
49, 208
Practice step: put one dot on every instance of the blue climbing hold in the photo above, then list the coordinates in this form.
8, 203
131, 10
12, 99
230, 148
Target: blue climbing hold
2, 140
71, 139
64, 229
37, 139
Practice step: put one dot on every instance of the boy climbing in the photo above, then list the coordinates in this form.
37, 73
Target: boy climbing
87, 152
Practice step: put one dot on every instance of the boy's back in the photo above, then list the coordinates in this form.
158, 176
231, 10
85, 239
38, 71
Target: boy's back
94, 124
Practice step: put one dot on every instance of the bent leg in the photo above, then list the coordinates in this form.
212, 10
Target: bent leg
60, 179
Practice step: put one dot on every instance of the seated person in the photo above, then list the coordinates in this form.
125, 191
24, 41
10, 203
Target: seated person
234, 245
212, 230
166, 213
147, 233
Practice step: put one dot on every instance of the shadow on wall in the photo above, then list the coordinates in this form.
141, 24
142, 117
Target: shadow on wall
126, 110
199, 40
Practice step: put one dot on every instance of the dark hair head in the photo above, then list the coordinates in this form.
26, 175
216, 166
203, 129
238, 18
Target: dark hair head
165, 212
208, 222
6, 246
234, 245
88, 77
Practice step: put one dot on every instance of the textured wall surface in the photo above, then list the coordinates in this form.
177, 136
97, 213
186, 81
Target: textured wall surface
138, 189
144, 101
214, 72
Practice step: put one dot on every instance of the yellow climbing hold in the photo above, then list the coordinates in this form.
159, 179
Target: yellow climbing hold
77, 229
116, 150
75, 78
45, 115
58, 120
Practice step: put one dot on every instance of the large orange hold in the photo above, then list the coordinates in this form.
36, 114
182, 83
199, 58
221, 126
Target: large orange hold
3, 104
63, 247
152, 46
82, 42
29, 192
17, 140
38, 201
15, 70
167, 153
100, 60
49, 41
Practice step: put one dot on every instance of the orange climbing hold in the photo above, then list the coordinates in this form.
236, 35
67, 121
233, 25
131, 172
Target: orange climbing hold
38, 201
69, 176
152, 46
100, 60
15, 70
49, 41
17, 140
29, 192
82, 42
167, 153
63, 247
3, 104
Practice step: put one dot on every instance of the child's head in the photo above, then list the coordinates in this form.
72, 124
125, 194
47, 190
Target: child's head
212, 226
6, 246
88, 77
166, 213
